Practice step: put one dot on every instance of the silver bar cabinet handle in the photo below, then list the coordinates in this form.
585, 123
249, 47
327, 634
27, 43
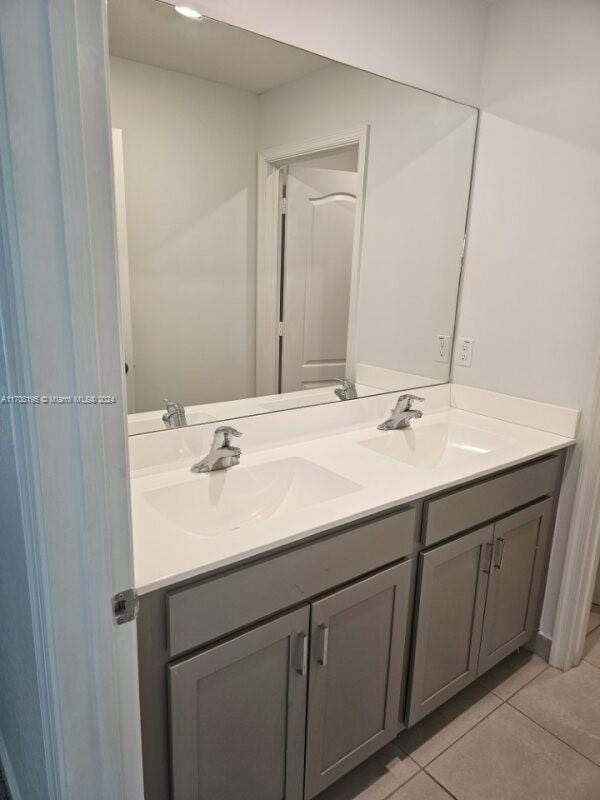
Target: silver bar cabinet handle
322, 659
487, 556
499, 554
303, 654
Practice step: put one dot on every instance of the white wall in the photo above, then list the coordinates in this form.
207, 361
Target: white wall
190, 184
433, 44
418, 175
531, 293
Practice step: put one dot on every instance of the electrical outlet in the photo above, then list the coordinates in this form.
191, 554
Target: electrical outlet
443, 349
464, 352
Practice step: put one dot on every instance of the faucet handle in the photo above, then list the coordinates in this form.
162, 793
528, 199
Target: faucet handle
171, 405
226, 431
174, 416
411, 397
405, 401
347, 390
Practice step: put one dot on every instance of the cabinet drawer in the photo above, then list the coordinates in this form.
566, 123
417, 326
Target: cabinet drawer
467, 508
206, 611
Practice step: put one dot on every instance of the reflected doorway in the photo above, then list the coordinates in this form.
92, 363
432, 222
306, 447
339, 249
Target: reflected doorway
318, 222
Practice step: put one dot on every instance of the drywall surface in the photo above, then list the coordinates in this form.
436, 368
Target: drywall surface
418, 174
433, 44
190, 190
21, 743
531, 291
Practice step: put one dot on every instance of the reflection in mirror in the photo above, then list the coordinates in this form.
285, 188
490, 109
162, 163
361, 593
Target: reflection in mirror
290, 229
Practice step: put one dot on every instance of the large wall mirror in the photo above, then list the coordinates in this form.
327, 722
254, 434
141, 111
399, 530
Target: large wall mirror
290, 229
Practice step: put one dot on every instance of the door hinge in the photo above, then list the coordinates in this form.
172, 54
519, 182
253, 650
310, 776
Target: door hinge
283, 205
125, 606
280, 328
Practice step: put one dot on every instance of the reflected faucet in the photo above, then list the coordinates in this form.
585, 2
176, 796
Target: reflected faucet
174, 416
222, 454
347, 391
402, 413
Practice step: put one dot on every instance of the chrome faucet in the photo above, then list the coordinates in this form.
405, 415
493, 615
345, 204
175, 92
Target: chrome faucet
347, 391
402, 413
222, 454
174, 416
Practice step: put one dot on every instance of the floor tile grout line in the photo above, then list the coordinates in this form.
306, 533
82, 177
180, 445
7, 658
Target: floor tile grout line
554, 736
425, 768
404, 782
587, 636
441, 753
440, 784
591, 664
531, 680
414, 775
593, 630
502, 703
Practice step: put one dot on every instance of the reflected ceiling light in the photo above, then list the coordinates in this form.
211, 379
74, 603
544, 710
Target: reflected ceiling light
188, 12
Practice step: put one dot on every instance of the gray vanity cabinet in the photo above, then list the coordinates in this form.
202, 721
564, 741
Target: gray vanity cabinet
357, 656
453, 580
479, 600
514, 593
238, 715
240, 703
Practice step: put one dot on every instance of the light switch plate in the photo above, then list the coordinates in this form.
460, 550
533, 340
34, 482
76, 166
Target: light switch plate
464, 352
443, 349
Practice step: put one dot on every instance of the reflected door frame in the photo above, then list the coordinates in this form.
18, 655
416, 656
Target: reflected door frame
268, 272
123, 265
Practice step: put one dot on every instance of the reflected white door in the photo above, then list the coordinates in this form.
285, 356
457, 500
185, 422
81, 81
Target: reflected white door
321, 210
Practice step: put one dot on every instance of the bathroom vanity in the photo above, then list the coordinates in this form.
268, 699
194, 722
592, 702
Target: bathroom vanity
274, 675
291, 233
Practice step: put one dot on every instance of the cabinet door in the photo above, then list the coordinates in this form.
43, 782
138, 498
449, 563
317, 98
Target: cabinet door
516, 582
238, 715
358, 637
452, 587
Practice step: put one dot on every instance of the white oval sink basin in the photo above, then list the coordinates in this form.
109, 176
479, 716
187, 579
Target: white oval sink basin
212, 503
439, 445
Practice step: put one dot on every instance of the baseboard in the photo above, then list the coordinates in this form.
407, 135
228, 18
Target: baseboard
540, 645
9, 775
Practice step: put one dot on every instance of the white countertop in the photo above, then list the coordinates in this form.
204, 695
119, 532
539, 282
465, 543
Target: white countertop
165, 553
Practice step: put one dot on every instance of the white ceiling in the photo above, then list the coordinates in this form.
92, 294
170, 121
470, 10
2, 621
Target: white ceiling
151, 31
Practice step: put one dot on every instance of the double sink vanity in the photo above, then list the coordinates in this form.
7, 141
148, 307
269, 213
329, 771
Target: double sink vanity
298, 610
314, 572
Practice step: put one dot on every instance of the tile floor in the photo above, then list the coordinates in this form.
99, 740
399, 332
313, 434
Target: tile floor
524, 731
